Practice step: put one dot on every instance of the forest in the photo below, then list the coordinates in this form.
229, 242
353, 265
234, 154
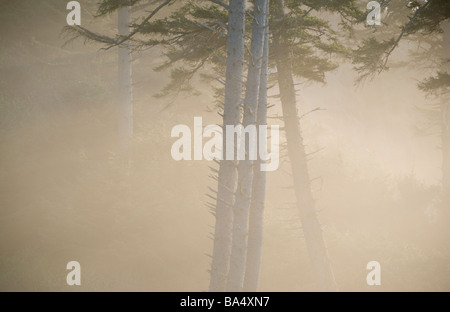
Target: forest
225, 145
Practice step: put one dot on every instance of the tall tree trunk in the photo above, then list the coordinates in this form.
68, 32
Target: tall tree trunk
256, 218
227, 171
245, 168
296, 151
125, 91
446, 154
445, 113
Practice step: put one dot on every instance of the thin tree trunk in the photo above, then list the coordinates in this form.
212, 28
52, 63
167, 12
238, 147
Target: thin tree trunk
446, 154
125, 92
245, 168
296, 151
445, 113
227, 172
256, 218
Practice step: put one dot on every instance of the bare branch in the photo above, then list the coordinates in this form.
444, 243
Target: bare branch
210, 28
311, 111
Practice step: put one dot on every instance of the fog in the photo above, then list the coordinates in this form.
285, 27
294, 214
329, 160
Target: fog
65, 194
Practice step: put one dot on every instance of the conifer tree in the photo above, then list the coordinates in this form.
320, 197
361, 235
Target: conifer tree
308, 43
425, 23
196, 35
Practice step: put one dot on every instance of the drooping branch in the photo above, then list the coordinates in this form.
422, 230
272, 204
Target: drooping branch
139, 27
80, 31
212, 29
402, 33
372, 56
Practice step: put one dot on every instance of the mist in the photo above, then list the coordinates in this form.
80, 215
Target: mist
142, 225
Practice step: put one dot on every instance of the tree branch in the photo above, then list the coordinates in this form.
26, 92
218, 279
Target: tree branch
210, 28
139, 27
405, 28
111, 42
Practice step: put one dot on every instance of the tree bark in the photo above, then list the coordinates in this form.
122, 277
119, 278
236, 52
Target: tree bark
256, 218
245, 167
296, 151
125, 91
227, 172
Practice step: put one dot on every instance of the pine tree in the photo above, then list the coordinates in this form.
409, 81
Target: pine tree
195, 35
417, 22
296, 150
310, 42
122, 40
439, 84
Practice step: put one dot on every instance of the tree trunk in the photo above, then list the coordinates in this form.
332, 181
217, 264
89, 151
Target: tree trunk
125, 92
446, 154
227, 171
256, 218
245, 168
296, 151
445, 113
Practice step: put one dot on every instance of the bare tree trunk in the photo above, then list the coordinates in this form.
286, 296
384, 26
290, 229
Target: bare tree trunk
125, 91
446, 153
245, 169
227, 172
296, 151
445, 113
256, 218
